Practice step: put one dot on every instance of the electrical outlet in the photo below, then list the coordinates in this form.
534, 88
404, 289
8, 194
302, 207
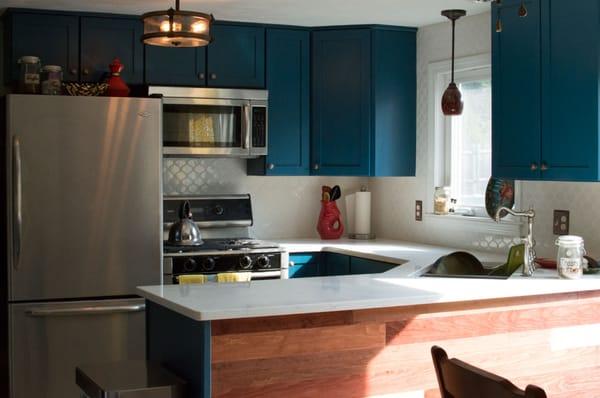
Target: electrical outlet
419, 210
560, 223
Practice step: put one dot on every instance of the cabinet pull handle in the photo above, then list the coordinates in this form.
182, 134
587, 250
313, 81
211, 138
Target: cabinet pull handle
213, 76
544, 166
17, 187
73, 71
201, 76
271, 166
85, 71
533, 166
91, 310
316, 166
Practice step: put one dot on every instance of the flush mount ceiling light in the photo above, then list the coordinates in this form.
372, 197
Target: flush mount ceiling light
177, 28
452, 104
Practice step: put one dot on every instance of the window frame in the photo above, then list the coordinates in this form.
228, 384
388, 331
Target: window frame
439, 147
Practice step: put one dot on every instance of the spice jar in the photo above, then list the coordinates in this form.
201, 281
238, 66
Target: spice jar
569, 259
29, 76
51, 79
441, 200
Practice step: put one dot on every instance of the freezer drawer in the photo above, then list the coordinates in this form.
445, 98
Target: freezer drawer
48, 340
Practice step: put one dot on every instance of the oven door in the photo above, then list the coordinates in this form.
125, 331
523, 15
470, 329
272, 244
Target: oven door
206, 127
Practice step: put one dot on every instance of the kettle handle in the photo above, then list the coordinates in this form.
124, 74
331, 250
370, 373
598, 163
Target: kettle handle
185, 211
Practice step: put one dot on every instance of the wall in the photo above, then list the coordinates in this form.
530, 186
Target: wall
394, 198
284, 207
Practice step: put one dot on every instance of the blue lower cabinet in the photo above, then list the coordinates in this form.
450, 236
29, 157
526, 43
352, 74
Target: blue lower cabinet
336, 264
106, 38
304, 265
236, 56
176, 66
363, 266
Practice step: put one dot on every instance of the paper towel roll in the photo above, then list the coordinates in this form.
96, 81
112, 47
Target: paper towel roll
362, 213
350, 206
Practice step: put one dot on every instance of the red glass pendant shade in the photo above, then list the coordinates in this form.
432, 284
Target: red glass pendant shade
452, 104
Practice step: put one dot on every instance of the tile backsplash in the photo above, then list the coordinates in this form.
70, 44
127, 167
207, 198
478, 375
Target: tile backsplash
283, 207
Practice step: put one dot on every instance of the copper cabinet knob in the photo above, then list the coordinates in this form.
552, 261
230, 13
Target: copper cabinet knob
533, 166
544, 166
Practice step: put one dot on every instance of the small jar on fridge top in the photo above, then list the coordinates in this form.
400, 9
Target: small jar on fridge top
569, 259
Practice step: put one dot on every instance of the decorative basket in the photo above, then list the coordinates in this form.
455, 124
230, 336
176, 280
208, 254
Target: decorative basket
85, 89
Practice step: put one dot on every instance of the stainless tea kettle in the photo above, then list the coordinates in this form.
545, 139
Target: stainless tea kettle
185, 232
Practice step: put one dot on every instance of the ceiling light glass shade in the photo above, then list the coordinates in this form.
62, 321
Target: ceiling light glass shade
177, 28
452, 103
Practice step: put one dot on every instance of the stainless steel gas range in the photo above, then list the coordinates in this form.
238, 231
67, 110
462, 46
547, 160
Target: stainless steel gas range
222, 220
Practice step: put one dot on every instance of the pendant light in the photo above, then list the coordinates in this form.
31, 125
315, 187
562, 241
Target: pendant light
177, 28
452, 104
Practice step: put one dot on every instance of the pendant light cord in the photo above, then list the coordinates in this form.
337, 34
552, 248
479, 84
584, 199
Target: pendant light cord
453, 27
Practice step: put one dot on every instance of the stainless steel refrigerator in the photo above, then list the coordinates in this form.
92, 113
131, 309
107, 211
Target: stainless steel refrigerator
84, 200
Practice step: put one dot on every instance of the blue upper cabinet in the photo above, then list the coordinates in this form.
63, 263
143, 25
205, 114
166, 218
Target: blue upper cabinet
52, 37
570, 89
341, 102
288, 82
364, 106
236, 57
545, 81
105, 38
516, 91
176, 66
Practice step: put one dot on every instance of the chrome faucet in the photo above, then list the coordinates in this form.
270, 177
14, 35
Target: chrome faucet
529, 256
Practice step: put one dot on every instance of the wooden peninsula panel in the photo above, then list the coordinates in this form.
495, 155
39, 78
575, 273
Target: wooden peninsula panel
552, 341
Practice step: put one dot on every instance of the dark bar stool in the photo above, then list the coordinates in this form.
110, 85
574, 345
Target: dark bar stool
128, 379
458, 379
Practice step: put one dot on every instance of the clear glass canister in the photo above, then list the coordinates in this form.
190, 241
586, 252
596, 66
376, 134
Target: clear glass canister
569, 259
51, 79
441, 200
29, 76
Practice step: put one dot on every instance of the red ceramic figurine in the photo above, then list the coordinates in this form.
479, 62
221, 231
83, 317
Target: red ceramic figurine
116, 85
330, 220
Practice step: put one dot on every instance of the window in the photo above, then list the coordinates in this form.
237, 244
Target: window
462, 145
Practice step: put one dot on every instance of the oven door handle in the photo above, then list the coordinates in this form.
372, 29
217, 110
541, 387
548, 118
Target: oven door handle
246, 126
266, 275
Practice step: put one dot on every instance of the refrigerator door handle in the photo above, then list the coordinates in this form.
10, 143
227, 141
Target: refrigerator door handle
17, 202
87, 310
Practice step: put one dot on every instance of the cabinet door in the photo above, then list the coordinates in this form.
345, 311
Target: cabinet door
363, 266
341, 102
175, 66
570, 70
53, 38
336, 264
288, 84
103, 39
303, 265
516, 88
236, 57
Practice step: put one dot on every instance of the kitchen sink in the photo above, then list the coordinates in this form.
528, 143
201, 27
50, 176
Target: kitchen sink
465, 265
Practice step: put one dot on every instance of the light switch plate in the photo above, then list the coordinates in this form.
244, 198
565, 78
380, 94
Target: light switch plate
419, 210
560, 222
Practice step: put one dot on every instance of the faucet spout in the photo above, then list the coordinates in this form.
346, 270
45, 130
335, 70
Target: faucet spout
529, 255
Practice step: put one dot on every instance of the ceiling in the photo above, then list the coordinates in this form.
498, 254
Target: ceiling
292, 12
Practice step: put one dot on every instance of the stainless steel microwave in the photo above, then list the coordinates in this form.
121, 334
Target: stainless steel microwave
213, 122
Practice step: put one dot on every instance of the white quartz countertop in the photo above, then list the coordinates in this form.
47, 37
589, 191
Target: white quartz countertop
399, 286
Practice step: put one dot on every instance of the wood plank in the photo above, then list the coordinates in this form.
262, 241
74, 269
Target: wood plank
281, 343
264, 324
484, 323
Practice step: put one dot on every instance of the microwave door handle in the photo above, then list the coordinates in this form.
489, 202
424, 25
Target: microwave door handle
17, 204
246, 127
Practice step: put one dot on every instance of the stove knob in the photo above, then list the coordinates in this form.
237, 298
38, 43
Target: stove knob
264, 262
208, 264
218, 210
245, 262
190, 265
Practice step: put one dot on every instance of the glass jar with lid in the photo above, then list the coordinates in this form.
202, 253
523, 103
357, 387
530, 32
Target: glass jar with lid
569, 258
441, 200
29, 75
51, 79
